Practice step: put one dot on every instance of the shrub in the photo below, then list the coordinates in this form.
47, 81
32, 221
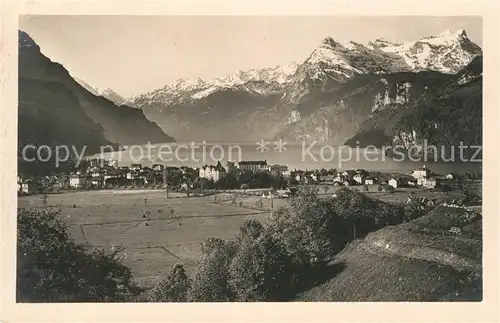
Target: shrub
173, 287
51, 267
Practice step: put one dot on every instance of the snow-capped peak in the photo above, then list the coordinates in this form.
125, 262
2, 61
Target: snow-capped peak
445, 38
449, 33
333, 61
105, 93
381, 42
187, 84
288, 69
254, 80
447, 52
330, 43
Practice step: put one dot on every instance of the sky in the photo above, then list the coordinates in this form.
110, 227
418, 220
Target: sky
138, 54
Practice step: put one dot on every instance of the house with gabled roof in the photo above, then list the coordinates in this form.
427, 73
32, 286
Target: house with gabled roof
359, 178
422, 172
431, 182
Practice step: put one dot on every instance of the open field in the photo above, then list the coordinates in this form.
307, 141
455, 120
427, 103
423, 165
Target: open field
153, 237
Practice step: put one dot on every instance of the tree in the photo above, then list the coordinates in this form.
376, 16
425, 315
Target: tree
358, 210
258, 271
51, 267
173, 287
463, 184
362, 213
210, 282
305, 228
349, 205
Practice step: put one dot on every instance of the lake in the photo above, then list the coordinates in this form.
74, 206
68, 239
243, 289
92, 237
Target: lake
297, 155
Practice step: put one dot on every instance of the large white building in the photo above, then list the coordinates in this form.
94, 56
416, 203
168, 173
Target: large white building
277, 169
254, 165
212, 172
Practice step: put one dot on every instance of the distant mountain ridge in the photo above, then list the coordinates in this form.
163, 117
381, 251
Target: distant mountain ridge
326, 97
259, 81
55, 109
106, 93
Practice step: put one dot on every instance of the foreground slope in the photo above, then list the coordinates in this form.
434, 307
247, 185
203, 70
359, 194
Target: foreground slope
415, 261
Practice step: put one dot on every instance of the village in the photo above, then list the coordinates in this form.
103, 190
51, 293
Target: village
273, 180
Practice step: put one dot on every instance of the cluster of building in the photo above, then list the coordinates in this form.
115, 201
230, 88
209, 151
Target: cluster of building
352, 177
216, 172
98, 174
422, 177
101, 173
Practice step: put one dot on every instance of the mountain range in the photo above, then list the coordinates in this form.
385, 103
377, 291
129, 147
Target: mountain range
54, 109
332, 96
377, 93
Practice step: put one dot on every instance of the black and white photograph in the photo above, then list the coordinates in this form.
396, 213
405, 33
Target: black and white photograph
201, 159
